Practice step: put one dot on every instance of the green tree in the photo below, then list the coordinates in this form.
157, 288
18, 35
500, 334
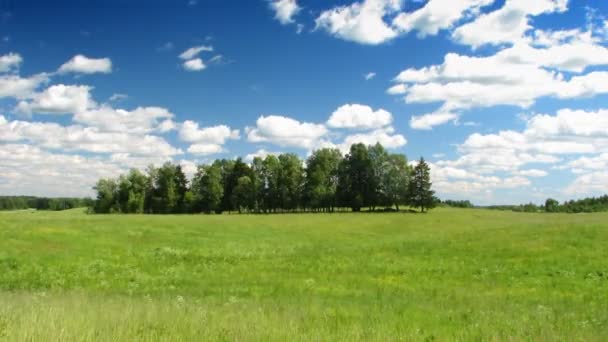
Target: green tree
322, 178
271, 175
243, 194
420, 193
395, 180
259, 184
551, 205
291, 179
379, 162
107, 196
169, 189
238, 170
356, 185
138, 184
207, 188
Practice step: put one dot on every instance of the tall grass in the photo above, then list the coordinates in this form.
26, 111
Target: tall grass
450, 274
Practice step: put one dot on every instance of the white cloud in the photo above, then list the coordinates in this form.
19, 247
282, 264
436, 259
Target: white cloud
590, 183
194, 51
20, 88
10, 62
437, 15
385, 136
287, 132
356, 116
29, 170
428, 121
207, 140
78, 138
118, 97
205, 149
369, 76
362, 22
398, 89
194, 65
140, 120
532, 173
285, 10
86, 65
517, 76
59, 99
507, 24
261, 153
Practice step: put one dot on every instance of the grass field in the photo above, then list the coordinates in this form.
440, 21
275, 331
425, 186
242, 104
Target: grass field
447, 275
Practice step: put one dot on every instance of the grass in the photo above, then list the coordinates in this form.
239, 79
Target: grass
448, 275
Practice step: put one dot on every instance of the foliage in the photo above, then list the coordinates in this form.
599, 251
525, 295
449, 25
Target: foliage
585, 205
457, 204
367, 177
42, 203
420, 192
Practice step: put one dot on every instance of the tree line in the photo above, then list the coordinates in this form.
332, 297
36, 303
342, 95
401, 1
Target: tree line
368, 177
585, 205
42, 203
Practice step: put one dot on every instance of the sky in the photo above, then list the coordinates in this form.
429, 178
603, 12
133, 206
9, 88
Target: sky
506, 99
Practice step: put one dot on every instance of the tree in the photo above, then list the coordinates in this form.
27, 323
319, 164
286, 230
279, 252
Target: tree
207, 188
271, 175
420, 192
291, 179
395, 180
322, 178
242, 194
356, 185
238, 170
169, 189
107, 196
379, 163
259, 184
551, 205
138, 186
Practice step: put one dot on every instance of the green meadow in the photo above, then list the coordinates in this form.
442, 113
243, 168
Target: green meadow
451, 274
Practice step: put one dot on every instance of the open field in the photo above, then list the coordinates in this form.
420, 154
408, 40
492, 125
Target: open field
450, 274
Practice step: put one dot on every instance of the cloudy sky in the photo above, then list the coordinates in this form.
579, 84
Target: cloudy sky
508, 99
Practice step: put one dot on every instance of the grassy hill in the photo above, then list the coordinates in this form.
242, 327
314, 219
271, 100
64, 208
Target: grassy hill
450, 274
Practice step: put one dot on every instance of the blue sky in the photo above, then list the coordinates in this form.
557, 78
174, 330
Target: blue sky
506, 99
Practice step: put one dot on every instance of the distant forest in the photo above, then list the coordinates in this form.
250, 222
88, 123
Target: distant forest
585, 205
367, 178
42, 203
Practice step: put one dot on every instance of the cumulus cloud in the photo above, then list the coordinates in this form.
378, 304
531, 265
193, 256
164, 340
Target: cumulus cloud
286, 132
140, 120
10, 62
357, 116
362, 22
385, 136
85, 65
79, 138
195, 51
285, 10
194, 65
59, 99
261, 153
20, 88
27, 169
437, 15
590, 183
518, 75
507, 24
207, 140
430, 120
